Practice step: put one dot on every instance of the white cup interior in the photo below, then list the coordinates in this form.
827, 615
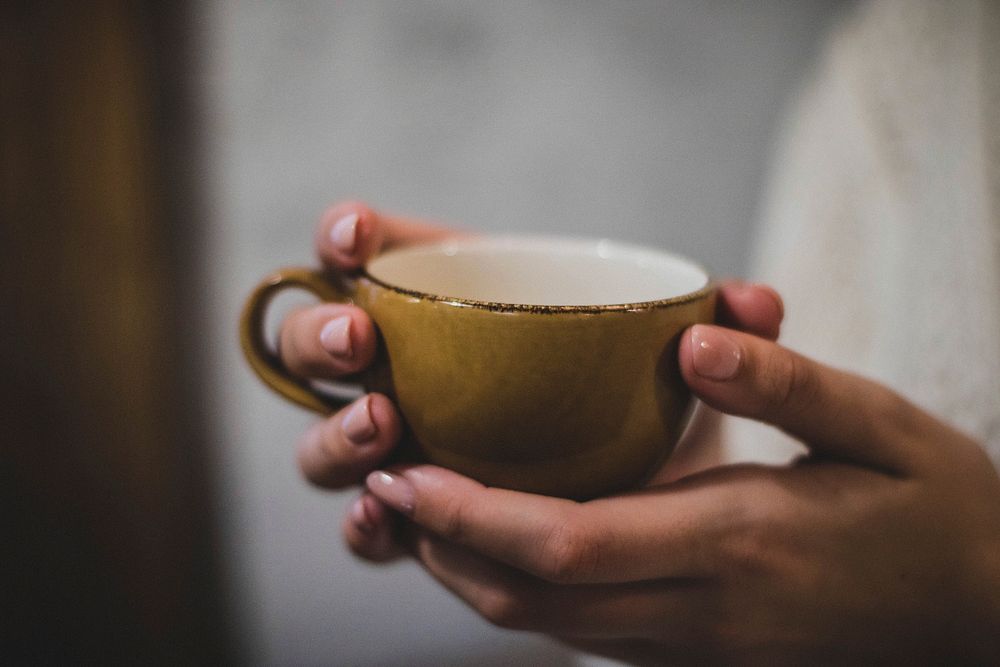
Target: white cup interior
540, 271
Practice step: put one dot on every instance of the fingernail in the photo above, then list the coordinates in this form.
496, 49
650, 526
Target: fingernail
335, 336
358, 425
716, 356
359, 517
392, 489
344, 233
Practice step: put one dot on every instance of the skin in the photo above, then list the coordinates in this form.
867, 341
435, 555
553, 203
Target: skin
882, 544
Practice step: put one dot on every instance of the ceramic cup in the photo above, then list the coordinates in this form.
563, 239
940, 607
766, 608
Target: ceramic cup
546, 365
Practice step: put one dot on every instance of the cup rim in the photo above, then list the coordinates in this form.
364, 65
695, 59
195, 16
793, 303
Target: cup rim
505, 307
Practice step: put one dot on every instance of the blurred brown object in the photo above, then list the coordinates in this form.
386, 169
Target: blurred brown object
107, 536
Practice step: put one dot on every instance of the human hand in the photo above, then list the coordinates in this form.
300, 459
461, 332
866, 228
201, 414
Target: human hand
882, 546
332, 340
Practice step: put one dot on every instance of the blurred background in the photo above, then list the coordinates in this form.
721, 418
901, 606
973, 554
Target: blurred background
159, 158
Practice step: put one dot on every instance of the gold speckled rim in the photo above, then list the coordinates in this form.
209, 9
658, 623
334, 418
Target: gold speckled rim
497, 306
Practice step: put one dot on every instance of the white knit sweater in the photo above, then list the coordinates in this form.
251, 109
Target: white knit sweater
882, 228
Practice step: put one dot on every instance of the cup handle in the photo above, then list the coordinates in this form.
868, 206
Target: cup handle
263, 360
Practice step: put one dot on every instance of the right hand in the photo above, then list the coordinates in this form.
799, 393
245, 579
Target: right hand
330, 340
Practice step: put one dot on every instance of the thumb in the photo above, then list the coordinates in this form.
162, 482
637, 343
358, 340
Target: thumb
834, 413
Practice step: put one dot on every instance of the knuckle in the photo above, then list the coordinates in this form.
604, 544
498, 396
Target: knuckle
568, 554
328, 476
748, 549
324, 460
744, 555
792, 384
897, 424
297, 352
453, 520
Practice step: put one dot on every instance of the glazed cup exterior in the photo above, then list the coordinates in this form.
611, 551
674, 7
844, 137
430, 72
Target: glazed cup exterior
577, 402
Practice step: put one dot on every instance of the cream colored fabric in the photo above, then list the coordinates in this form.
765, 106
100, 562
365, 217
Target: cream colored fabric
882, 229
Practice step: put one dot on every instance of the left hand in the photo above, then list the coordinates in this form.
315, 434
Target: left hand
883, 545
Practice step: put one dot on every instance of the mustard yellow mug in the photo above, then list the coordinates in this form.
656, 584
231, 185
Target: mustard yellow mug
539, 364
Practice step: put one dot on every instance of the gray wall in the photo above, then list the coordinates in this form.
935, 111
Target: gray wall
638, 120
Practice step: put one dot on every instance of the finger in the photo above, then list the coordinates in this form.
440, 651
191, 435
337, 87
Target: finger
833, 412
513, 600
755, 309
341, 450
327, 341
351, 232
602, 541
370, 530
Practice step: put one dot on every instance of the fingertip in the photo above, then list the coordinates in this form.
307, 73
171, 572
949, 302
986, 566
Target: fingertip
369, 530
309, 446
327, 341
393, 489
363, 340
358, 516
367, 514
778, 302
754, 308
431, 478
385, 416
344, 448
710, 353
375, 511
348, 234
718, 364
